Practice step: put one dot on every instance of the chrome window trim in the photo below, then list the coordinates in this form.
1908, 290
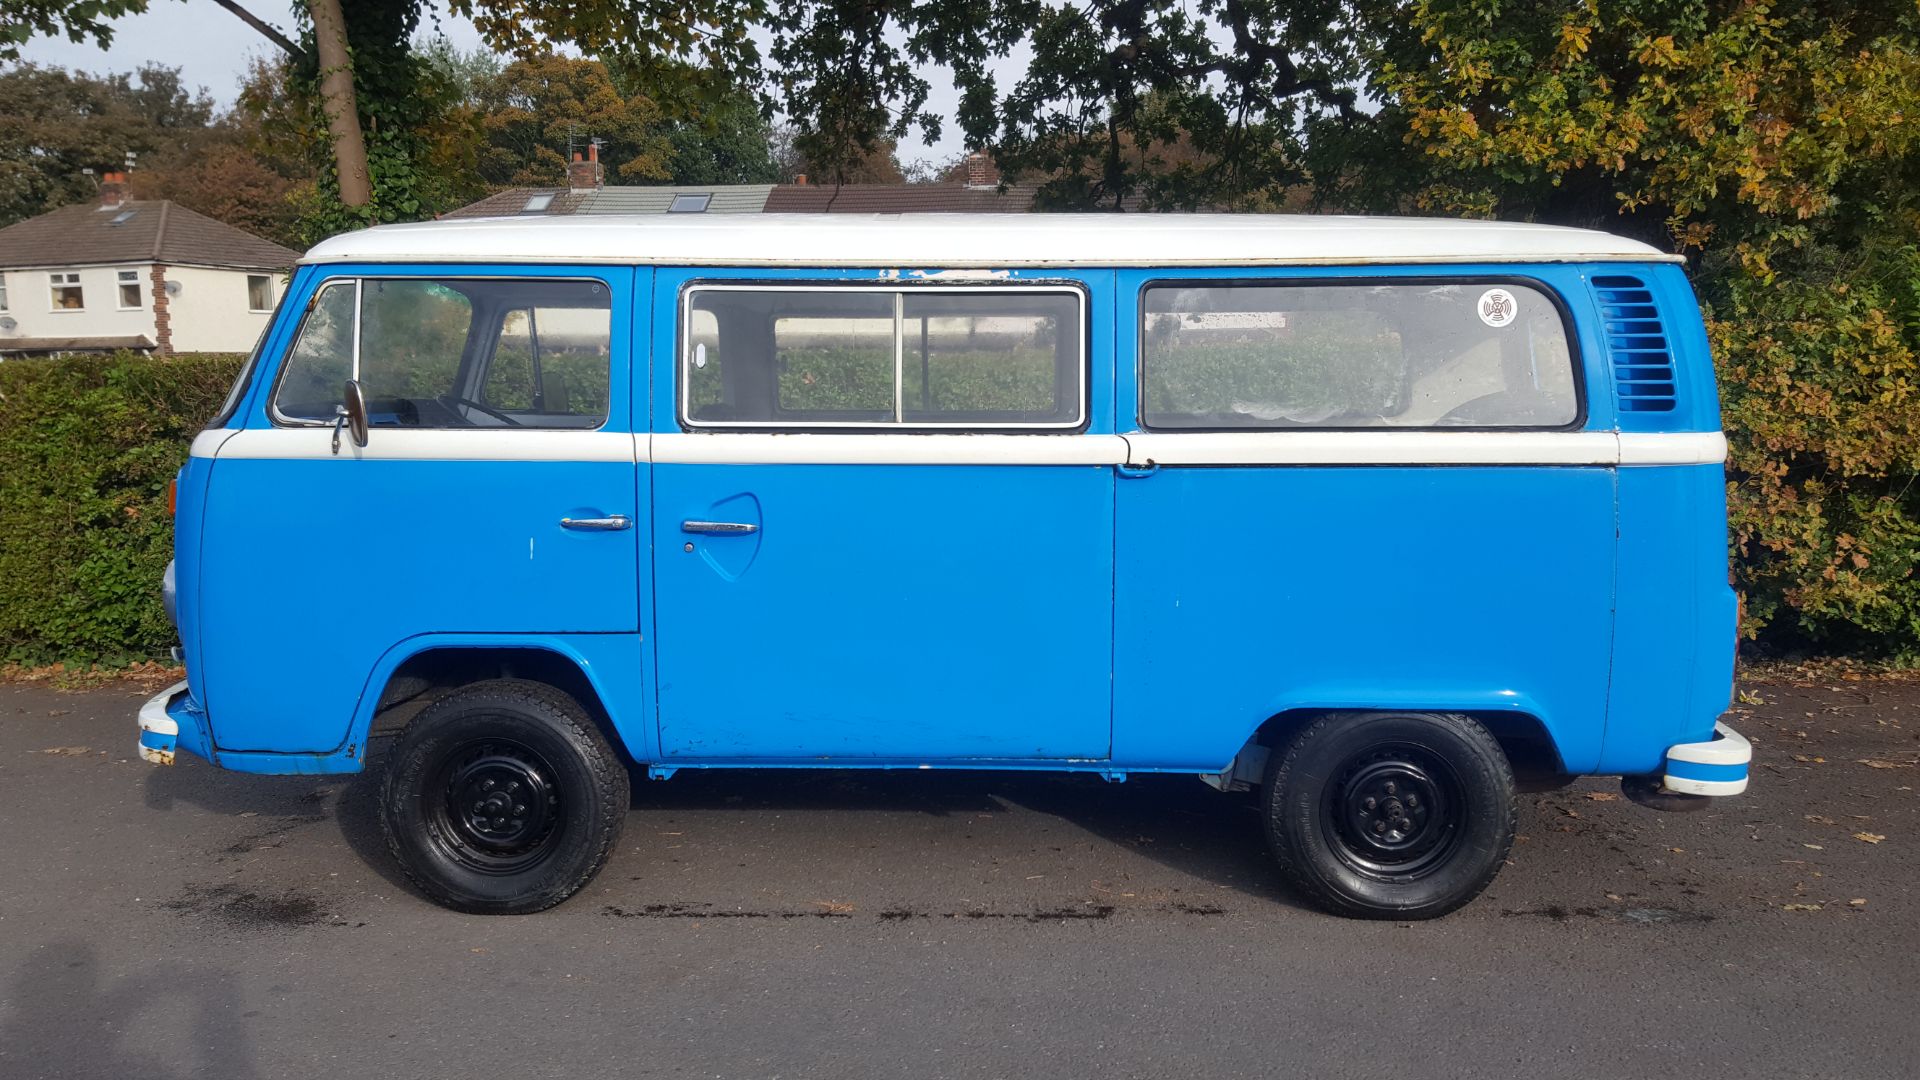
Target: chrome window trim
683, 358
280, 372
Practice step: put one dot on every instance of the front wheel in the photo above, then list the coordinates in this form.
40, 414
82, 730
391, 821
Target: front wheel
1390, 815
503, 798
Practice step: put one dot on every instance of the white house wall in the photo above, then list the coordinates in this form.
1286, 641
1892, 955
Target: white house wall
209, 312
30, 305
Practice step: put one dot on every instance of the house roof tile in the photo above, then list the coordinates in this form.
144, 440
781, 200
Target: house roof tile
141, 230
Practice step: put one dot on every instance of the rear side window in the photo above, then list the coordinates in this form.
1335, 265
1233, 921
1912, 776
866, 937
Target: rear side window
454, 353
1380, 354
836, 357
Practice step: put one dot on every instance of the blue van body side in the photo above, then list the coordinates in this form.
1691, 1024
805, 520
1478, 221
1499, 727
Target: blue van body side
1675, 619
321, 565
1590, 599
1246, 592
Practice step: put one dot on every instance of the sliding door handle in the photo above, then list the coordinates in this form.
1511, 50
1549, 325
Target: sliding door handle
599, 524
719, 528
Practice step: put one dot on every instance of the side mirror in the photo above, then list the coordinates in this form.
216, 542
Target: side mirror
352, 415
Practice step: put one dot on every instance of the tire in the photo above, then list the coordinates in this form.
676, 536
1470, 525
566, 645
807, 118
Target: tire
453, 805
1390, 815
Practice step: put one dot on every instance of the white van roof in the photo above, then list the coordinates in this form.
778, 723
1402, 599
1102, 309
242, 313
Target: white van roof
978, 241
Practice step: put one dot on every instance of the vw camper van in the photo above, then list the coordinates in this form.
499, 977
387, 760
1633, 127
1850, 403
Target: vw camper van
1382, 518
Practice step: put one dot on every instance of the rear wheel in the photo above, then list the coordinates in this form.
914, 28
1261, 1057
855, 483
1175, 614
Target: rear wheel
1390, 815
503, 798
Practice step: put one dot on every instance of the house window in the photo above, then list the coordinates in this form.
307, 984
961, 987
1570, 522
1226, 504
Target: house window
3, 292
66, 293
129, 290
259, 292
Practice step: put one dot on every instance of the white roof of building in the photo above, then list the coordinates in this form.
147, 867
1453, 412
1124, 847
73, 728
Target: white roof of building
989, 241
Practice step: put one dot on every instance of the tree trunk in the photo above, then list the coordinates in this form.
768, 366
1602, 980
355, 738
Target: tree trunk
336, 95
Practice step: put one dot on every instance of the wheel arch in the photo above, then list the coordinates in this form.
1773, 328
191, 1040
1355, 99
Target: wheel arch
1523, 733
420, 670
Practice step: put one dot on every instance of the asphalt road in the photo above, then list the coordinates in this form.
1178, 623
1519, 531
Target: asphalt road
181, 922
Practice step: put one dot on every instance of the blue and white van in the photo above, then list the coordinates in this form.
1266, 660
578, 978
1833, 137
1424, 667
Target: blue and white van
1382, 517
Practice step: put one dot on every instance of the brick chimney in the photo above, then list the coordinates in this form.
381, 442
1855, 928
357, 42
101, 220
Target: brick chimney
981, 172
585, 174
113, 190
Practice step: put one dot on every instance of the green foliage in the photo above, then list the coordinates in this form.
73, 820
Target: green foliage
55, 124
535, 109
1775, 143
421, 147
75, 20
88, 446
727, 142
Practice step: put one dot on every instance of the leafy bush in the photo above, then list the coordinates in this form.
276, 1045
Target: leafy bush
87, 448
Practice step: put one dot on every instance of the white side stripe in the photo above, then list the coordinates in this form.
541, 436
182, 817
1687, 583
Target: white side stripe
1427, 448
1592, 448
207, 443
428, 444
1676, 448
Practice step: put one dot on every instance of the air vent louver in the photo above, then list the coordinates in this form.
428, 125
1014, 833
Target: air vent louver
1636, 344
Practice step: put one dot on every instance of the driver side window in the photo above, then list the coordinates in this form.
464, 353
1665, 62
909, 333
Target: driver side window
454, 353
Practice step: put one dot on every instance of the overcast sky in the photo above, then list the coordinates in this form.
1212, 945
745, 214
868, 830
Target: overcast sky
212, 48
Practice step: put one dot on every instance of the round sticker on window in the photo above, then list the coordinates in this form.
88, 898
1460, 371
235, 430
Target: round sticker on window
1498, 307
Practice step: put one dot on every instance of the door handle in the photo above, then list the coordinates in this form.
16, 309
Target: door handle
719, 528
600, 524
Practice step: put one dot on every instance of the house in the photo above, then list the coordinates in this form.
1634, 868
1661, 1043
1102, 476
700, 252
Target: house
979, 192
149, 275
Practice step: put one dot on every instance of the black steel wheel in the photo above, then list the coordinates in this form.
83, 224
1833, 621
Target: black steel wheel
1390, 815
503, 798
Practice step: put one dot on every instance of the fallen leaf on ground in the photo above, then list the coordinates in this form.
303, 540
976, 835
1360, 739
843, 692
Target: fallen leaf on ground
1857, 902
1814, 760
1800, 907
1868, 837
67, 751
1569, 811
1602, 796
1876, 763
1821, 819
837, 907
1815, 847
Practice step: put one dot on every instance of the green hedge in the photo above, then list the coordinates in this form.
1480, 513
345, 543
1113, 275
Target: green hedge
87, 447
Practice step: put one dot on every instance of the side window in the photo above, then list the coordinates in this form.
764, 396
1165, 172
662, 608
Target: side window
549, 363
1373, 355
827, 357
321, 360
455, 353
413, 336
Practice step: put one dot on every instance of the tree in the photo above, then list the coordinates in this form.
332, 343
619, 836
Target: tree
340, 103
536, 109
1174, 103
56, 127
726, 142
75, 20
1775, 144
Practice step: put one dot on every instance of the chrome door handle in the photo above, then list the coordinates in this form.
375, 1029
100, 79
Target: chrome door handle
719, 528
601, 524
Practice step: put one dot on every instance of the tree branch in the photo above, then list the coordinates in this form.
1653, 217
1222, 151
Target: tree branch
264, 27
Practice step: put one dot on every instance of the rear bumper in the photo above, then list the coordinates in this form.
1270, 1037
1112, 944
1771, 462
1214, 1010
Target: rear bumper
171, 721
1717, 766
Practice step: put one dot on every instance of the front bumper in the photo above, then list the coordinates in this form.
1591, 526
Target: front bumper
1715, 767
171, 720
